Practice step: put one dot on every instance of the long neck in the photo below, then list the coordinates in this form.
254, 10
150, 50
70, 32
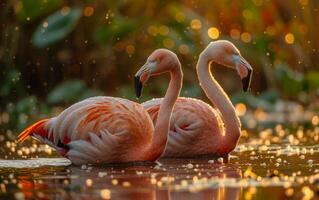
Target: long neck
219, 98
163, 121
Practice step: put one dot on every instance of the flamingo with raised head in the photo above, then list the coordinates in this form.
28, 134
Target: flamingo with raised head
110, 129
196, 127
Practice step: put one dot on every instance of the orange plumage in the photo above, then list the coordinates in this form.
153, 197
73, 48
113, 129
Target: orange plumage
36, 128
110, 129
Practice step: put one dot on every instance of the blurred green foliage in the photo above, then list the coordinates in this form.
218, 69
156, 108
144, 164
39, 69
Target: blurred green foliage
29, 10
69, 92
293, 83
61, 24
54, 53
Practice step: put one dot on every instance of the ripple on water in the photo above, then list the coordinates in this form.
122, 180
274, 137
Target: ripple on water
35, 162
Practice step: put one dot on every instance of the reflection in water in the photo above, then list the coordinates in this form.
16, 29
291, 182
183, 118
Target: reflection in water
35, 162
264, 167
145, 182
130, 182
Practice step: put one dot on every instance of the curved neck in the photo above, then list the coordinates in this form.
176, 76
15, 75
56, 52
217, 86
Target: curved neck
219, 98
163, 121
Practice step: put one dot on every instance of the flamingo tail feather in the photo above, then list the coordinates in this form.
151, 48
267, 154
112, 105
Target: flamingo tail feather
36, 128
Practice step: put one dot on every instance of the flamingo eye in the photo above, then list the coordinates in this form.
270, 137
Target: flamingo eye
153, 64
155, 60
152, 61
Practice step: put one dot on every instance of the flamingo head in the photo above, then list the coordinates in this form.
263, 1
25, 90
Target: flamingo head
225, 53
160, 61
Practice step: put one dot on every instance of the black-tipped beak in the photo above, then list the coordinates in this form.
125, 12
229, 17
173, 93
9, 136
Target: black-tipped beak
138, 86
246, 80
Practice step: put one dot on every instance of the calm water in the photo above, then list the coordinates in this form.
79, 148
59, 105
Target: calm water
273, 165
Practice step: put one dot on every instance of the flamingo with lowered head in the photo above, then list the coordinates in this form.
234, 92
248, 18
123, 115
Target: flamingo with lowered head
197, 128
110, 129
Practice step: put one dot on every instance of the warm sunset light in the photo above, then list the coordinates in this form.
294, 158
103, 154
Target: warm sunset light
183, 49
88, 11
240, 109
196, 24
213, 33
289, 38
181, 99
246, 37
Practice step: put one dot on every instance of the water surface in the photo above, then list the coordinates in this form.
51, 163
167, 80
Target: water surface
270, 166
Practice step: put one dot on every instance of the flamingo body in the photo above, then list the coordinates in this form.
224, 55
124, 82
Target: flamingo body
98, 129
110, 129
195, 129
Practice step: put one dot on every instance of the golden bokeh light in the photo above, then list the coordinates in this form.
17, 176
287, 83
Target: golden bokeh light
180, 17
168, 43
315, 120
196, 24
89, 182
163, 30
289, 38
45, 24
213, 33
130, 49
105, 194
258, 2
65, 10
304, 2
246, 37
240, 109
289, 192
307, 193
183, 49
88, 11
260, 114
152, 30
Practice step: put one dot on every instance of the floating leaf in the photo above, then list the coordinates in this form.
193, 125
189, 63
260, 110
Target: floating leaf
56, 27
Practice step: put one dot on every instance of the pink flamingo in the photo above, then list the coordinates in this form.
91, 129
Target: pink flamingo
196, 128
111, 129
